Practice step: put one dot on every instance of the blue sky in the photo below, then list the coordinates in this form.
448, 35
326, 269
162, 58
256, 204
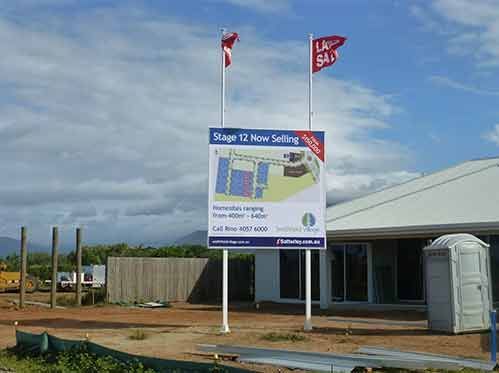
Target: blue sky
106, 104
447, 99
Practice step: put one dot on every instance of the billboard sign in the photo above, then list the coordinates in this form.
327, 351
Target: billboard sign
266, 189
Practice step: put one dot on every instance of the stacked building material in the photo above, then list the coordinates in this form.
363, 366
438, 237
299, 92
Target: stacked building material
327, 362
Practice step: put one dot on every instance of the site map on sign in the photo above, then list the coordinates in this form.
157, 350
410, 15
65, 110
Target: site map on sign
264, 175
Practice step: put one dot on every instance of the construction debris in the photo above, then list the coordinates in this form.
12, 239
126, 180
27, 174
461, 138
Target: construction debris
426, 357
325, 362
40, 304
288, 359
157, 304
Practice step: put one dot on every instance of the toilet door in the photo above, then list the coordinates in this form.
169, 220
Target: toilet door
473, 274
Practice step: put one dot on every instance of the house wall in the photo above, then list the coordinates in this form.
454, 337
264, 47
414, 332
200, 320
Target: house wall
383, 272
267, 275
267, 278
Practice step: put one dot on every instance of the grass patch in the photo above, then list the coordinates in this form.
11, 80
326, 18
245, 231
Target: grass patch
88, 298
67, 300
284, 337
138, 335
78, 361
93, 297
81, 361
74, 361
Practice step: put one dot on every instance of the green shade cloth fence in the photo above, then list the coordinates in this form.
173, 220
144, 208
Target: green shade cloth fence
45, 343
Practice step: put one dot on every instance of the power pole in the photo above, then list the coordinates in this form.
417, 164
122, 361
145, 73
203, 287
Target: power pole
55, 249
24, 259
78, 267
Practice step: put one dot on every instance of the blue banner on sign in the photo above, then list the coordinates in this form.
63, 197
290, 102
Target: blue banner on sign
266, 242
260, 137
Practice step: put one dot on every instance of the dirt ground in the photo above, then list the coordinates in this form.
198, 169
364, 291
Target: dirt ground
174, 332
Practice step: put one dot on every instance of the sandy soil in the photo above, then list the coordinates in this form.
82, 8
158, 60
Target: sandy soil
175, 332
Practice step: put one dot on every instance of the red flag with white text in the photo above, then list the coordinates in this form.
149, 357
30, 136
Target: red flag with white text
228, 40
324, 51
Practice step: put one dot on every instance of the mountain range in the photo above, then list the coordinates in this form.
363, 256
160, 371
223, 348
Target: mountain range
195, 238
9, 246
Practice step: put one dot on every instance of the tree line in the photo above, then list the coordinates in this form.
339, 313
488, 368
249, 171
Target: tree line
39, 263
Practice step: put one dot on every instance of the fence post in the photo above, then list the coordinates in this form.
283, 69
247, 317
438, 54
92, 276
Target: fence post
78, 266
53, 284
24, 259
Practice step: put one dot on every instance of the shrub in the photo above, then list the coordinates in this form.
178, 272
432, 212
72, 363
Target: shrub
94, 296
73, 361
137, 335
67, 300
282, 337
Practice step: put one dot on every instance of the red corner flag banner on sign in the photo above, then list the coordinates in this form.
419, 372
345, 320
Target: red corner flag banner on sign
324, 51
313, 143
228, 40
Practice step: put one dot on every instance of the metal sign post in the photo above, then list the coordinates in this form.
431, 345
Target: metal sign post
308, 290
308, 256
225, 254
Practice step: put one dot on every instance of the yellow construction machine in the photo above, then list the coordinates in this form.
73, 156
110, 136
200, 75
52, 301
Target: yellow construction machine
11, 281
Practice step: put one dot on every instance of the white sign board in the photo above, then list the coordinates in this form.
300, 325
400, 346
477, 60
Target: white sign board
266, 189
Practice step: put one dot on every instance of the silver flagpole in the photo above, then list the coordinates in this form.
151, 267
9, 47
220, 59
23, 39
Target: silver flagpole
310, 112
308, 254
225, 255
222, 86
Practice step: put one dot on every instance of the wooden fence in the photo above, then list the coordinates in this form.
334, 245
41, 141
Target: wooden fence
177, 279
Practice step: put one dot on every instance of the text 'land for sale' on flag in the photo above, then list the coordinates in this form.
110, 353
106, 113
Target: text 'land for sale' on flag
324, 51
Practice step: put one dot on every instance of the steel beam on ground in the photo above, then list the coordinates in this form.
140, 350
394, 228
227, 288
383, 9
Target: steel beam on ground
428, 357
329, 359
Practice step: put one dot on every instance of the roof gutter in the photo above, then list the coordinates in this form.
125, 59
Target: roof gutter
412, 231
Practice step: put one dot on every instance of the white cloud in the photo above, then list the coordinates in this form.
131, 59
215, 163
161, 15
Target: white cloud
344, 186
435, 138
104, 117
471, 26
493, 136
448, 82
264, 6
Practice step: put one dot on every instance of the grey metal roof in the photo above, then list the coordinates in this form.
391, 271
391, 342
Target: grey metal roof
463, 197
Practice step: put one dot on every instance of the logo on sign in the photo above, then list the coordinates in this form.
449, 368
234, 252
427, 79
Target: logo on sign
308, 220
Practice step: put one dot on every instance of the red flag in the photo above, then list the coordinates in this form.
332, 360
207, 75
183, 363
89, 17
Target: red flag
324, 51
228, 40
